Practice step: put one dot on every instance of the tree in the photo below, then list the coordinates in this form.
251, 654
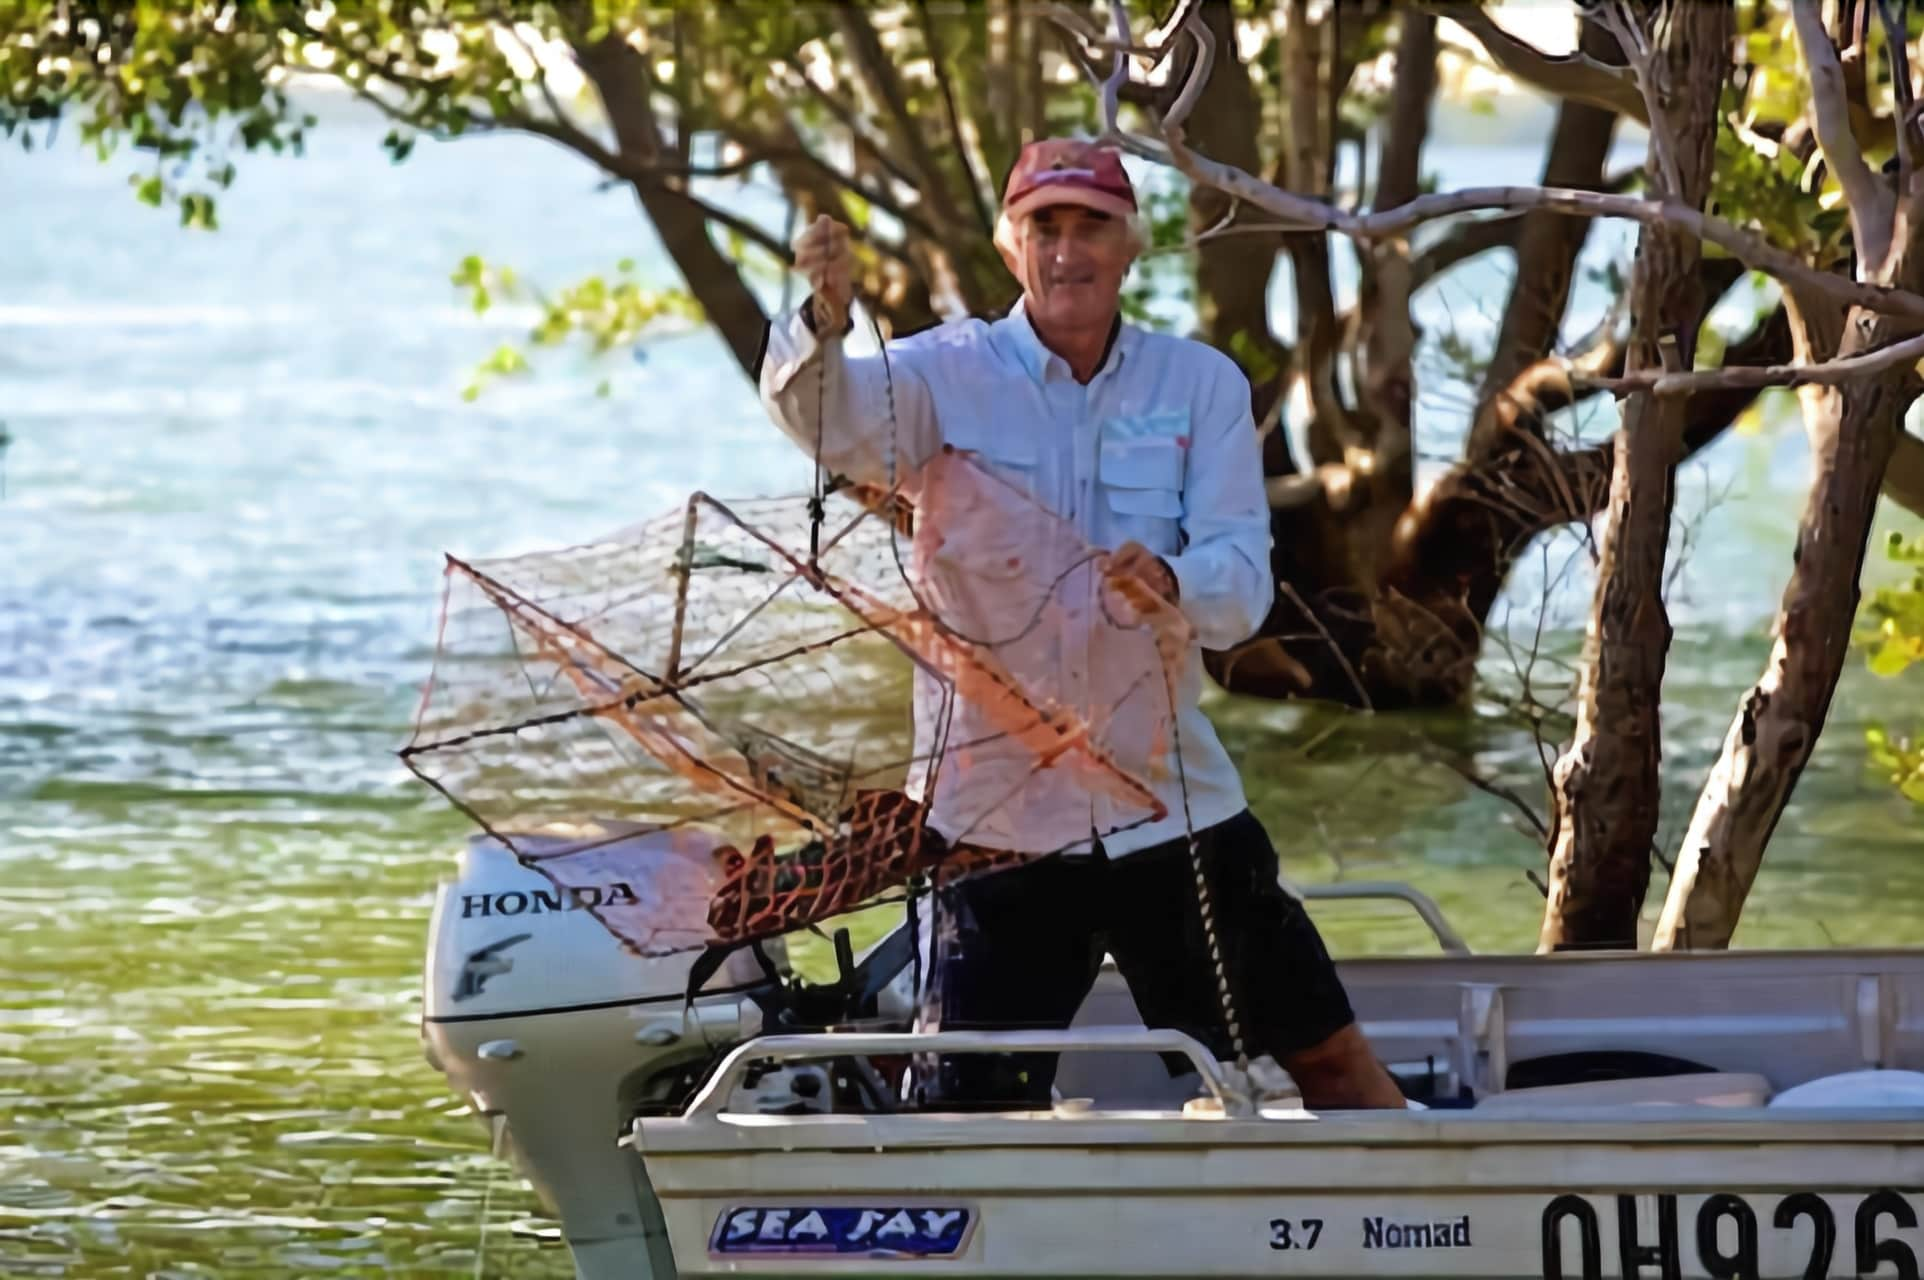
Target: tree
900, 118
1606, 781
1854, 425
1858, 372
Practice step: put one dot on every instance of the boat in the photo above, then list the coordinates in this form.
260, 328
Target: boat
1718, 1114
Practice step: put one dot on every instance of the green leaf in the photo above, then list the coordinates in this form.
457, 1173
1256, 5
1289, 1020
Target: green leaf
151, 191
197, 210
1892, 657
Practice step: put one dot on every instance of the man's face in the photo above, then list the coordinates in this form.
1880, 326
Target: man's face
1071, 262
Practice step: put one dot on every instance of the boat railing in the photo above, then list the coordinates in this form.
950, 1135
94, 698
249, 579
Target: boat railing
1425, 906
721, 1086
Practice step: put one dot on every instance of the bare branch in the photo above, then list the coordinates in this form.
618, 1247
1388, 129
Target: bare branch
1870, 201
1896, 40
855, 124
1161, 42
764, 240
1574, 76
1133, 91
1623, 24
970, 179
643, 173
1310, 214
1827, 373
878, 74
1336, 650
540, 73
1165, 36
726, 169
1198, 75
1464, 241
1119, 72
786, 144
1490, 787
425, 124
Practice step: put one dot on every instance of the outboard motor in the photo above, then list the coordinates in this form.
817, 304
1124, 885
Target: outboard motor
557, 1037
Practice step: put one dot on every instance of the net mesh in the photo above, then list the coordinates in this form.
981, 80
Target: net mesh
711, 706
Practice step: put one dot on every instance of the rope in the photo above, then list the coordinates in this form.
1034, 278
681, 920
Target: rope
817, 507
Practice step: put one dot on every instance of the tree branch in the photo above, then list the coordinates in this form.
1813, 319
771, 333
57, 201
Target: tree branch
1549, 245
1464, 241
540, 72
1624, 25
1311, 214
415, 120
874, 195
748, 231
1573, 76
976, 184
1197, 77
1896, 42
1825, 373
620, 75
1398, 176
878, 75
1869, 200
857, 130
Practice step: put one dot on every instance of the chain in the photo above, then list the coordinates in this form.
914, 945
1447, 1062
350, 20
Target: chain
1204, 902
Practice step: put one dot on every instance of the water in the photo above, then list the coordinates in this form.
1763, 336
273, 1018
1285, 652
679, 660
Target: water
237, 459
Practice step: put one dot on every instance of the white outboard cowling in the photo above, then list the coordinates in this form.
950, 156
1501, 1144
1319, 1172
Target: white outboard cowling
557, 1037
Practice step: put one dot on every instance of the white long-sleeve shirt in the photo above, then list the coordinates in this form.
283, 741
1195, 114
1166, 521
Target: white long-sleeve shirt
1159, 448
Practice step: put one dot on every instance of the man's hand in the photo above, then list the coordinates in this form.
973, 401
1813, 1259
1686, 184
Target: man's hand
1134, 569
822, 255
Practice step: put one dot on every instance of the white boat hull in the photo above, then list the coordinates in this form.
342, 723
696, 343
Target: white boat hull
1717, 1193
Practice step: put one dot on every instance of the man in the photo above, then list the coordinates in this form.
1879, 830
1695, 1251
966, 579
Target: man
1145, 444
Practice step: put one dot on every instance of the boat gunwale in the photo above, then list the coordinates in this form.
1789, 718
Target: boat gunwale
1667, 1125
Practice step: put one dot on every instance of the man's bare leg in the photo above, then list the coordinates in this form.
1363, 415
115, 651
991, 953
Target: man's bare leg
1342, 1073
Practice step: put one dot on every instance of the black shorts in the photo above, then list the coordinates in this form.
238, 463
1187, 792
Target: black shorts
1022, 948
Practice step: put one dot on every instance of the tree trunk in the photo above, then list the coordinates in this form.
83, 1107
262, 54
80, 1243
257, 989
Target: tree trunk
1548, 245
1233, 272
1853, 430
1386, 336
620, 75
1304, 165
1606, 783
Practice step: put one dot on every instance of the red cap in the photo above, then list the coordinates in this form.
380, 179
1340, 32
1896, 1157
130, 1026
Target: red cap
1069, 171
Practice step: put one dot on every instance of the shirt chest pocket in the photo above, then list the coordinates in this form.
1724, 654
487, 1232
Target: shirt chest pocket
1009, 456
987, 522
1141, 479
